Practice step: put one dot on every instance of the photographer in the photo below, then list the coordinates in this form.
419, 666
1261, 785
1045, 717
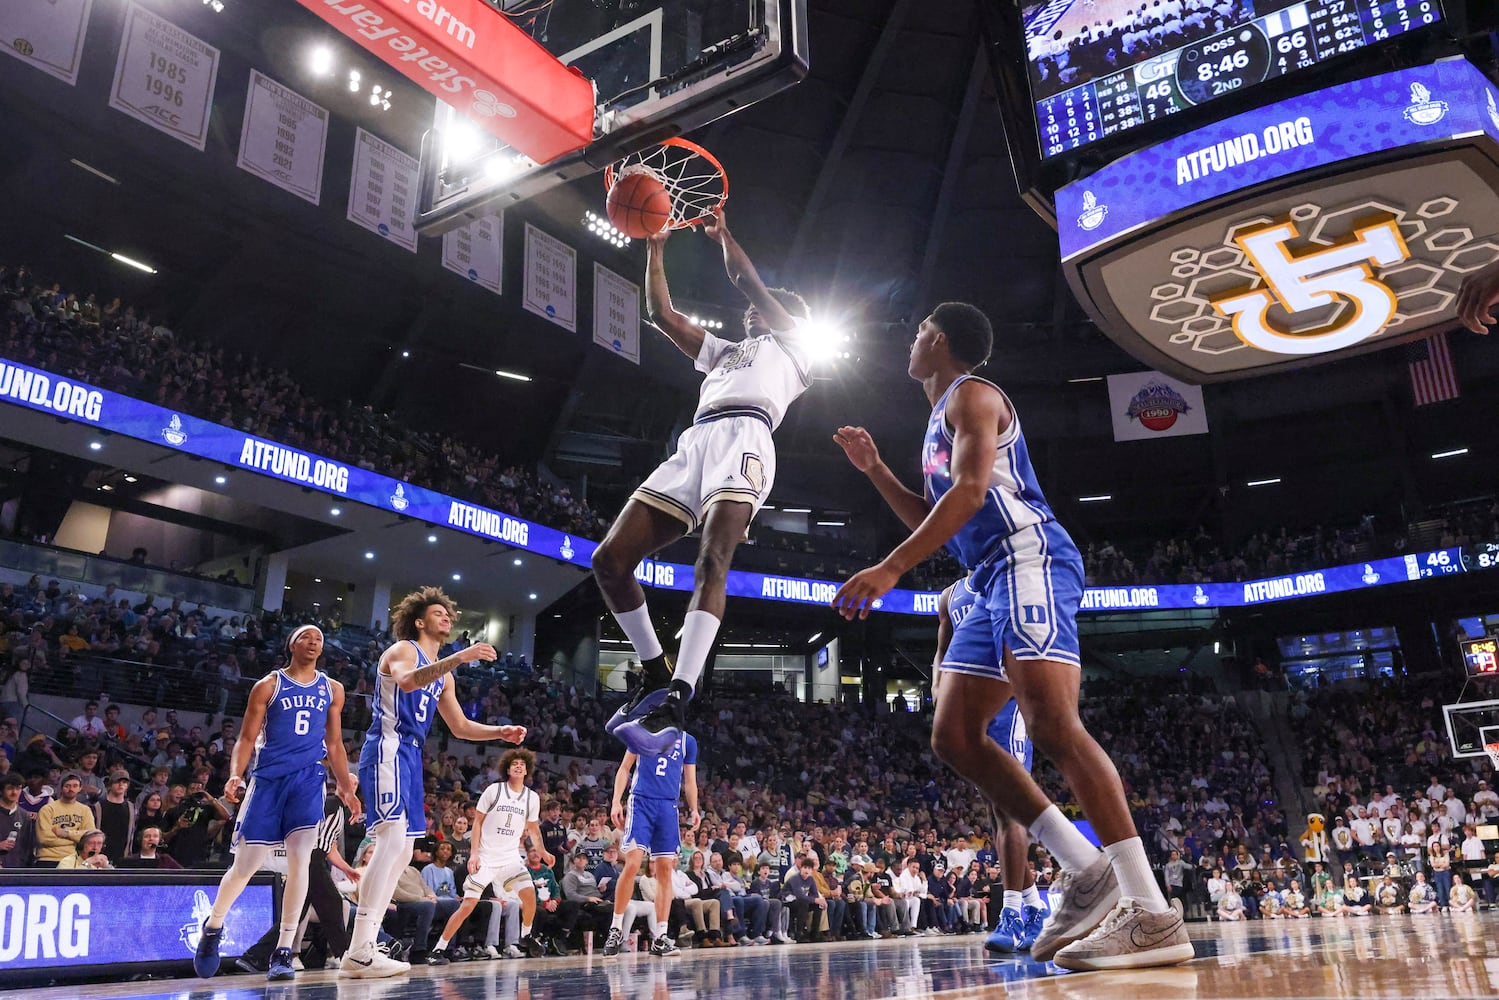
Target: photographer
192, 826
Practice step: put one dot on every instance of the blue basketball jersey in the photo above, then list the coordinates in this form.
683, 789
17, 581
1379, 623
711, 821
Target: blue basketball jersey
406, 715
295, 721
660, 777
1014, 500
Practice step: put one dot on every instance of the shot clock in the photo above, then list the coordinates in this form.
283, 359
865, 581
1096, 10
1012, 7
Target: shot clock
1091, 83
1481, 656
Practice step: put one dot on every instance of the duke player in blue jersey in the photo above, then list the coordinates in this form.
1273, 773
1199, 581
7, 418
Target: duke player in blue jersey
982, 500
651, 824
412, 687
291, 724
1024, 911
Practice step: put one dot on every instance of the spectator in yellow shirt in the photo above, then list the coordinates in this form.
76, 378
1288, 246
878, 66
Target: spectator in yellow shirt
60, 824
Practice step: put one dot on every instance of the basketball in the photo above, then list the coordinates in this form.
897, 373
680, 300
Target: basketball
639, 205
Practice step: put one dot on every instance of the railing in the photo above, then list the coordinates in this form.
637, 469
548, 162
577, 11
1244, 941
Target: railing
150, 684
100, 571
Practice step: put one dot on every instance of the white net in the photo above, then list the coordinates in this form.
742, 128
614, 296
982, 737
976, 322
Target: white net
693, 179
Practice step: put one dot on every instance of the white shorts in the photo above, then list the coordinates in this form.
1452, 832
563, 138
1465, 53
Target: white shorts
729, 457
502, 876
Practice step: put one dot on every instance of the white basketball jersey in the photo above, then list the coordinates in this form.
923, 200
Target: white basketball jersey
766, 372
505, 817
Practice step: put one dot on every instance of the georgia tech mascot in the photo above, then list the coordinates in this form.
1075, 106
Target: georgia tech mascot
1314, 843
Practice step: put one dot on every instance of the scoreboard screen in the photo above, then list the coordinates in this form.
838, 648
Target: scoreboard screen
1481, 656
1100, 67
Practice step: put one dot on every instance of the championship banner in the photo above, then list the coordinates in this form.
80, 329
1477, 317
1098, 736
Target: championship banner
165, 77
382, 190
48, 36
283, 138
1145, 405
616, 313
551, 280
476, 251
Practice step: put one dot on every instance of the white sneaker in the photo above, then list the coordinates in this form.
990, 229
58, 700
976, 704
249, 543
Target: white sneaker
296, 963
370, 963
511, 951
1130, 937
490, 951
1085, 898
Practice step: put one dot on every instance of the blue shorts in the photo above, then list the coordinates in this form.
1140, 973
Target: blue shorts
390, 782
1027, 603
652, 825
1008, 730
277, 806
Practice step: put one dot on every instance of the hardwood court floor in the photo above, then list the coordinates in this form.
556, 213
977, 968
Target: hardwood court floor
1430, 956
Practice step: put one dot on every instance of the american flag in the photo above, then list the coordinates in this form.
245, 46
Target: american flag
1433, 378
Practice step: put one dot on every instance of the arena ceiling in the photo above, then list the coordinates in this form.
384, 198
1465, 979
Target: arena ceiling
878, 186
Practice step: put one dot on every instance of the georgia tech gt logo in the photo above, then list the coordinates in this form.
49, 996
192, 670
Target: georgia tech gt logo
1314, 280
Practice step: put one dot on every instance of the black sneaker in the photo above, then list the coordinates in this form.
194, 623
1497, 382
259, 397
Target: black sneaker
246, 964
533, 946
206, 956
616, 942
664, 947
394, 949
655, 680
437, 957
654, 732
559, 946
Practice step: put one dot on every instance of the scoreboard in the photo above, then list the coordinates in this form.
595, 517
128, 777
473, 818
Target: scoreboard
1481, 656
1296, 37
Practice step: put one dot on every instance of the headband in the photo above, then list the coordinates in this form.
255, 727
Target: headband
296, 632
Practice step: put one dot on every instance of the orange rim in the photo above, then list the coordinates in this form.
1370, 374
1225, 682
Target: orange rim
613, 171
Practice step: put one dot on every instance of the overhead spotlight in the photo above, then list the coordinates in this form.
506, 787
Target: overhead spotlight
431, 538
317, 579
375, 98
130, 479
514, 376
107, 488
95, 446
531, 596
518, 560
132, 262
220, 480
385, 104
334, 511
321, 61
405, 354
369, 555
354, 81
457, 576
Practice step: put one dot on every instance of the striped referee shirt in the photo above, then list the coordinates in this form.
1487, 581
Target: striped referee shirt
330, 832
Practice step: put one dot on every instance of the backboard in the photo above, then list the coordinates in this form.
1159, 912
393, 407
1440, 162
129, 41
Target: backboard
1471, 724
660, 68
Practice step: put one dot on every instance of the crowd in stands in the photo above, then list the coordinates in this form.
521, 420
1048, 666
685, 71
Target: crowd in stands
116, 348
1200, 558
1114, 43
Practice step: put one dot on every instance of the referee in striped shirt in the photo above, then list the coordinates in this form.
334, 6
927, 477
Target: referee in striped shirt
322, 895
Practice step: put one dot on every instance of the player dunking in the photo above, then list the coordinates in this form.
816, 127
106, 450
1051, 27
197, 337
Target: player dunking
652, 825
411, 688
723, 469
1023, 912
982, 500
291, 723
507, 811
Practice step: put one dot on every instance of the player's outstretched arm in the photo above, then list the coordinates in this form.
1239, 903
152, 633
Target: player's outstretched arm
464, 728
680, 330
856, 443
977, 413
741, 271
1477, 298
400, 662
338, 757
249, 729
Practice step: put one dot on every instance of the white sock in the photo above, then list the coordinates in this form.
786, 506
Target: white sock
698, 632
1031, 896
1132, 869
1012, 900
618, 923
441, 945
1062, 840
640, 631
525, 930
660, 928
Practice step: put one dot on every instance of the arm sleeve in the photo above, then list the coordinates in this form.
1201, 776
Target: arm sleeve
709, 354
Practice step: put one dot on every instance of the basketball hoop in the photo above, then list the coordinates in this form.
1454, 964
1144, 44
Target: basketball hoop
1492, 749
692, 176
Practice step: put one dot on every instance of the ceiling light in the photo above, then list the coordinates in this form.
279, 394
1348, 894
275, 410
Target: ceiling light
517, 561
457, 576
1096, 499
133, 263
107, 488
532, 596
374, 97
1262, 482
83, 242
321, 60
130, 479
1450, 454
405, 354
317, 579
1079, 381
354, 83
815, 637
431, 538
369, 555
515, 376
221, 480
287, 587
95, 446
830, 524
796, 510
93, 170
334, 511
